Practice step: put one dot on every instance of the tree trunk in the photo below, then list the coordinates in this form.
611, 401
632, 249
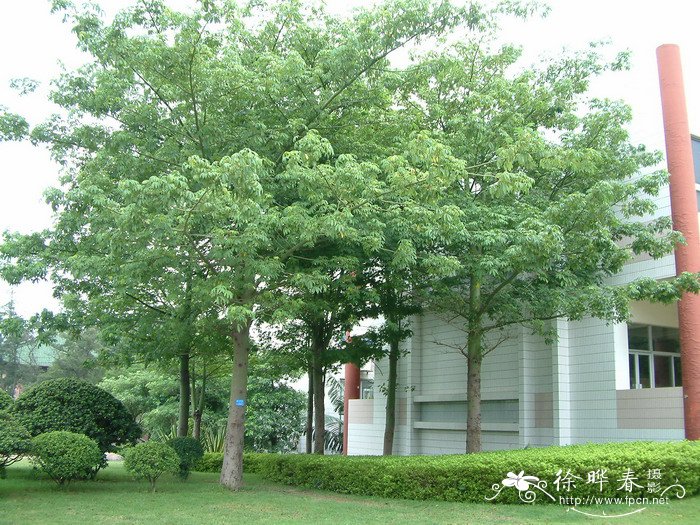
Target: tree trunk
319, 403
390, 424
310, 410
184, 415
198, 406
474, 358
197, 425
186, 342
474, 401
232, 468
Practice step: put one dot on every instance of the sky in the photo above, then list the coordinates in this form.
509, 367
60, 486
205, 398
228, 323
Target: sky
34, 43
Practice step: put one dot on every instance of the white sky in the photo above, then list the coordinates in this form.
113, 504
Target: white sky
33, 42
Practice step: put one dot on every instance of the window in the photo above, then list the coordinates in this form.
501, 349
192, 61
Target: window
366, 389
654, 356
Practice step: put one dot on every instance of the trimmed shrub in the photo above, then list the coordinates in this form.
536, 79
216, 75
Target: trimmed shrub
190, 451
150, 460
212, 462
66, 456
15, 441
76, 406
6, 400
474, 477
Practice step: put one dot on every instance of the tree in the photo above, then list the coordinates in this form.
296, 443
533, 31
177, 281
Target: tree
150, 396
195, 142
76, 357
275, 419
16, 350
551, 204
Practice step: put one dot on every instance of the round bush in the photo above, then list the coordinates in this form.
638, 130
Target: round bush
15, 441
6, 400
66, 456
190, 452
76, 406
149, 460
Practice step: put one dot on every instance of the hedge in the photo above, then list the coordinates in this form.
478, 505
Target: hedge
473, 477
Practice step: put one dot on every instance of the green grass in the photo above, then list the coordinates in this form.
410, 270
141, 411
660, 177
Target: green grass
27, 497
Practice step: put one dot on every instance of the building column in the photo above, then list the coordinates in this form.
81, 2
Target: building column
561, 385
351, 391
684, 212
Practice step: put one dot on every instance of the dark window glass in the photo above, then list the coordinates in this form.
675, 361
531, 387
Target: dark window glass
677, 381
638, 336
644, 371
633, 370
666, 339
662, 371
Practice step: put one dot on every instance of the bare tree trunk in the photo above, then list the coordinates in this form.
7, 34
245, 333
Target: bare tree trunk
198, 405
184, 414
232, 468
185, 349
474, 358
319, 403
310, 409
474, 402
390, 424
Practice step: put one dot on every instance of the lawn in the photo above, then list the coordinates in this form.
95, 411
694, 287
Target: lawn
27, 498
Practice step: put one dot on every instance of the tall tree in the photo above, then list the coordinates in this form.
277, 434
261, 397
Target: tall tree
553, 202
194, 142
16, 349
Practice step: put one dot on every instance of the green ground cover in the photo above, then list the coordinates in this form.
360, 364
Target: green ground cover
27, 498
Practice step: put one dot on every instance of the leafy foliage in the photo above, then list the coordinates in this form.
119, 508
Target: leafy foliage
76, 357
76, 406
66, 456
211, 462
274, 419
150, 460
15, 441
470, 477
6, 401
190, 452
17, 342
149, 395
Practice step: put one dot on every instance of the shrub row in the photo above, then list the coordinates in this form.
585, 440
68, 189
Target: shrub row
212, 461
474, 477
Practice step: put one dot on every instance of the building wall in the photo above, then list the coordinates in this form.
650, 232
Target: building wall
575, 390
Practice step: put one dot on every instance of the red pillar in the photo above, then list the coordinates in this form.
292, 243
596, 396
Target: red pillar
352, 391
684, 211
